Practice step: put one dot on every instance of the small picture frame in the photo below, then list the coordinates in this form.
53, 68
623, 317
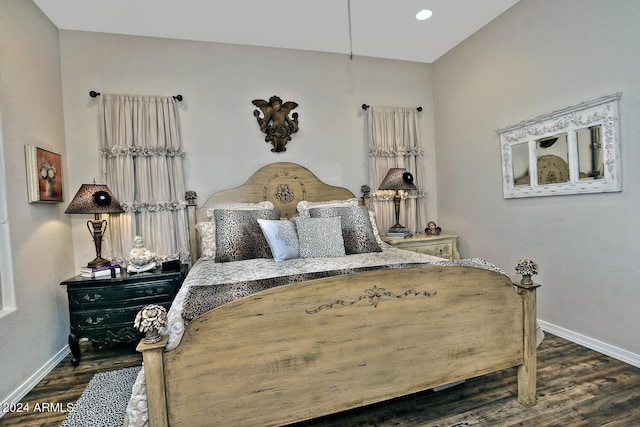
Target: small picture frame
44, 175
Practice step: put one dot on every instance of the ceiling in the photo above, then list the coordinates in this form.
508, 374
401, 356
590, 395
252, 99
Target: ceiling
379, 28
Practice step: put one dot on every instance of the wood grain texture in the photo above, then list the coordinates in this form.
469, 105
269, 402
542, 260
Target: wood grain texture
576, 387
299, 352
282, 183
323, 346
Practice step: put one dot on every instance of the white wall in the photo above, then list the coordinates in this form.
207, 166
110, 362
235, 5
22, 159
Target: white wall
540, 56
35, 333
218, 82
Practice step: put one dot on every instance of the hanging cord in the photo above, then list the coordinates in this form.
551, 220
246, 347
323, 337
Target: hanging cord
350, 34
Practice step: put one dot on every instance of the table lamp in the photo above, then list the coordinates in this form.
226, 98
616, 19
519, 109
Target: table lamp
95, 199
397, 179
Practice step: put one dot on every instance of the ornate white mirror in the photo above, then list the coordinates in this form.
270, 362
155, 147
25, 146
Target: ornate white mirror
570, 151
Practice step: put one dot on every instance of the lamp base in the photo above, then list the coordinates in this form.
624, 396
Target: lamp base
98, 262
398, 227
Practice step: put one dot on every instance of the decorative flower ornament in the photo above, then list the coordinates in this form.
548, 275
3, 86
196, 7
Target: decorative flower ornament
526, 267
150, 320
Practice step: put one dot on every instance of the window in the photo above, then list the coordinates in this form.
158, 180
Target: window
7, 293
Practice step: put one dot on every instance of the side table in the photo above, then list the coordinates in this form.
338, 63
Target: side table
103, 309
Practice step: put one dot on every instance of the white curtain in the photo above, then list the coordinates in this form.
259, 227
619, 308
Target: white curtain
394, 142
142, 165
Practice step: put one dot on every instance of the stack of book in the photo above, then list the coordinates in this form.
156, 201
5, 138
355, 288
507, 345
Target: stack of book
399, 233
112, 270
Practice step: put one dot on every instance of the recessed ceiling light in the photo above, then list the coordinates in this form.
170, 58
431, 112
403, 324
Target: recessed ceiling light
423, 14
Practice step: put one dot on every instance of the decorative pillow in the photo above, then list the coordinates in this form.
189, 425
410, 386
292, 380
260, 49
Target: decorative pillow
304, 205
357, 231
238, 206
374, 227
207, 234
282, 238
239, 236
320, 237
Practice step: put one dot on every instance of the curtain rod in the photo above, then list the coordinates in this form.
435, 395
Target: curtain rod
366, 107
93, 94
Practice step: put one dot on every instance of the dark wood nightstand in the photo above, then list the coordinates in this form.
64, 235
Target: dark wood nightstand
103, 309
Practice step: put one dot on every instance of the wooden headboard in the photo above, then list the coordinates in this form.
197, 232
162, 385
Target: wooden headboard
283, 183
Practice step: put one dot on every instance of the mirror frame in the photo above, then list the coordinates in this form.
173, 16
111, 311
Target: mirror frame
600, 111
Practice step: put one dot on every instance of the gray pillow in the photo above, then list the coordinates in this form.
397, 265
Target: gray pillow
239, 236
357, 231
320, 237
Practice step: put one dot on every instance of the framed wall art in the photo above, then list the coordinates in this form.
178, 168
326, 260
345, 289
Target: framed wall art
44, 175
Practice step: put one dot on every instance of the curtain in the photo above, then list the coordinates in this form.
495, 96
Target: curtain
394, 142
142, 165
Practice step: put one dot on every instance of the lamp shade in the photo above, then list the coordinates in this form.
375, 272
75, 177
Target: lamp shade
94, 199
397, 179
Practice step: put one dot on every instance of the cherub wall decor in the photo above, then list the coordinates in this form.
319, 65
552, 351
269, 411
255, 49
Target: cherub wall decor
276, 123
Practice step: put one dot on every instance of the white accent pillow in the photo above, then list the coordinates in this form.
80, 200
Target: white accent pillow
304, 205
374, 226
320, 237
238, 206
282, 238
207, 235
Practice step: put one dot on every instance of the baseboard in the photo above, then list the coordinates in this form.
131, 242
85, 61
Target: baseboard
32, 381
593, 344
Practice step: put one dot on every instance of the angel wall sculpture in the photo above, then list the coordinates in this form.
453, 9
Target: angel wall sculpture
276, 123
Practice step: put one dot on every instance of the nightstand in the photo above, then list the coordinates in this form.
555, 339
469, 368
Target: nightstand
103, 309
444, 245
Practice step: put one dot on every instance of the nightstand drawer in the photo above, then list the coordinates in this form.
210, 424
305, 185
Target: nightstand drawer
443, 246
114, 318
444, 250
127, 294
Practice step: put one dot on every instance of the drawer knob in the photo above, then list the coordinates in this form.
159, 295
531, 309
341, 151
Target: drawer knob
97, 321
93, 298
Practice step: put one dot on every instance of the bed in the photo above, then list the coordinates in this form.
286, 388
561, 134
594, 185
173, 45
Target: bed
306, 336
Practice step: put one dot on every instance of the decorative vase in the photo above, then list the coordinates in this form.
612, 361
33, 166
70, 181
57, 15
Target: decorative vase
526, 279
48, 188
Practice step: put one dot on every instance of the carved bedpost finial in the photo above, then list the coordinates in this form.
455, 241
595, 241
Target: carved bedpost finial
366, 195
527, 268
190, 196
150, 320
366, 191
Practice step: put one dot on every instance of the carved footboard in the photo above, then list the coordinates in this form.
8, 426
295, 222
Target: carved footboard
302, 351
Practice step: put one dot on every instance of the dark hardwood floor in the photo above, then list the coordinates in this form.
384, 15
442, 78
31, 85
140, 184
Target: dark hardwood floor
65, 384
576, 387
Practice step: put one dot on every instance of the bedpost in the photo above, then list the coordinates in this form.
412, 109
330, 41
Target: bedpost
154, 378
190, 197
527, 371
366, 196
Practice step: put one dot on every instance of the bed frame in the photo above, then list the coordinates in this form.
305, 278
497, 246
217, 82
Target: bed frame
298, 352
